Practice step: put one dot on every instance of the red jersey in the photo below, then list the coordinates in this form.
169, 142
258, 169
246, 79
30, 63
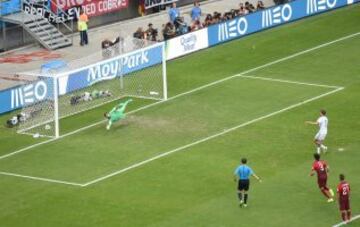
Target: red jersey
321, 168
344, 190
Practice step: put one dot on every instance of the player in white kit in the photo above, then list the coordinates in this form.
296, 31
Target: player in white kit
322, 122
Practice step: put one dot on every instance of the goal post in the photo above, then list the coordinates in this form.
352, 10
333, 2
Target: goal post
85, 84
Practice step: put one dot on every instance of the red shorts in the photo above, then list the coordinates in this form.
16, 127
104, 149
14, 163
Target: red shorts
322, 182
344, 204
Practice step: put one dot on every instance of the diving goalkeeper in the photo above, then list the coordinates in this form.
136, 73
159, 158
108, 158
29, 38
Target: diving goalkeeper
117, 113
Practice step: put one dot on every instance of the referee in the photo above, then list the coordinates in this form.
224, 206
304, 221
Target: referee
242, 174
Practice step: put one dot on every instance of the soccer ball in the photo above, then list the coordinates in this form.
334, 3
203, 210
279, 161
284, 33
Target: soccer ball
154, 93
47, 127
36, 135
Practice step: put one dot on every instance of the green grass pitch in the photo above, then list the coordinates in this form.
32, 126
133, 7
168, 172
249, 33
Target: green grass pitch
202, 135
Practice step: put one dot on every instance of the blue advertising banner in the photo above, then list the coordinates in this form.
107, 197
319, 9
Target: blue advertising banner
109, 69
10, 6
271, 17
20, 96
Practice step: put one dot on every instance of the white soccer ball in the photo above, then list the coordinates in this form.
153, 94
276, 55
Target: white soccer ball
36, 135
47, 127
154, 93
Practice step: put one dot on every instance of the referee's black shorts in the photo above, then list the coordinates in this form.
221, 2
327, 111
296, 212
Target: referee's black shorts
243, 185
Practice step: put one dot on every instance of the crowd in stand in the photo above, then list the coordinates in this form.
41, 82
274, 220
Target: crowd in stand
177, 25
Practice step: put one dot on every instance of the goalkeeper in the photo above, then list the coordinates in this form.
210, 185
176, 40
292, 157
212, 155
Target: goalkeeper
117, 113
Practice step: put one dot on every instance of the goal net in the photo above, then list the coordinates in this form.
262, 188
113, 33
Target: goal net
131, 68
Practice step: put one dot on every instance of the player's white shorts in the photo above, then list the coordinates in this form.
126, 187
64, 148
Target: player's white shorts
320, 136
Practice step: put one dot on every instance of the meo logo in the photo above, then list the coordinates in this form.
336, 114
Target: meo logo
314, 6
232, 29
28, 94
277, 15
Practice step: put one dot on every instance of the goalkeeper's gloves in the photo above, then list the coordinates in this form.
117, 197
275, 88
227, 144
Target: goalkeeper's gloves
124, 103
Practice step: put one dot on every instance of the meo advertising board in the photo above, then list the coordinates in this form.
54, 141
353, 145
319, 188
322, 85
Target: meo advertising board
271, 17
186, 44
110, 69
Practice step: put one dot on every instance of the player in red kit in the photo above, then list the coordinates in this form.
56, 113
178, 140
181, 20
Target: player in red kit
343, 195
322, 169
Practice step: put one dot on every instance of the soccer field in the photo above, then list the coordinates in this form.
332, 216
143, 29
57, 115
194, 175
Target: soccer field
171, 163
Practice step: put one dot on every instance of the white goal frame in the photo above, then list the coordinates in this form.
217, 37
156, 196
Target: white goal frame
54, 76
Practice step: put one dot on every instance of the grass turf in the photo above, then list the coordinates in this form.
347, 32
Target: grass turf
195, 187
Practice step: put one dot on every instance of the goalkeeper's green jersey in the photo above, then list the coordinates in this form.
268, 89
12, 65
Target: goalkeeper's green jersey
117, 112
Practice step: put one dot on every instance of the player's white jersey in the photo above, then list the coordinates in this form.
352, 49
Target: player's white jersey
323, 124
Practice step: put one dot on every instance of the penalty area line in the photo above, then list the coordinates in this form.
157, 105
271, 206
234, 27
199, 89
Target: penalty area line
191, 91
289, 81
41, 179
344, 223
226, 131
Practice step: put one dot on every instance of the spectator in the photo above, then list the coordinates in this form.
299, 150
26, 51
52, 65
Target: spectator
139, 34
151, 33
242, 10
106, 48
249, 7
180, 26
216, 18
174, 12
208, 20
196, 12
260, 5
83, 27
196, 25
169, 31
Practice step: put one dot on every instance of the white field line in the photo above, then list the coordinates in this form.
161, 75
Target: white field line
301, 53
32, 134
344, 223
188, 92
196, 142
289, 81
41, 179
210, 137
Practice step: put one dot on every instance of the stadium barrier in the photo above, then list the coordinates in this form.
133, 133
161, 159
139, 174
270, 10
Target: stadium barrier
13, 98
111, 68
271, 17
186, 44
